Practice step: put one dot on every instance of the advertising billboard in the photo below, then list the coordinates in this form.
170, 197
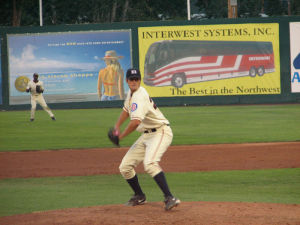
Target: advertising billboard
295, 56
210, 60
74, 66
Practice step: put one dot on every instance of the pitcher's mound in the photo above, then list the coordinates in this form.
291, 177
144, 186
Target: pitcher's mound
220, 213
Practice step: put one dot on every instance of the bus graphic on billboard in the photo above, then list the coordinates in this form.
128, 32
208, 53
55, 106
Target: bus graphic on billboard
179, 62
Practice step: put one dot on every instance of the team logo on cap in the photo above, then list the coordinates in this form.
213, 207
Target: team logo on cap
133, 107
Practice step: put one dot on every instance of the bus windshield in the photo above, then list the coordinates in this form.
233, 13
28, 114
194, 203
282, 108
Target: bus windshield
151, 57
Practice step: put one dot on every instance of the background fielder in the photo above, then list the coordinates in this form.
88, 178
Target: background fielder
156, 137
36, 88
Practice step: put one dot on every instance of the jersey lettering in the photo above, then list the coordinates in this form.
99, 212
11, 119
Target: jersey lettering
154, 105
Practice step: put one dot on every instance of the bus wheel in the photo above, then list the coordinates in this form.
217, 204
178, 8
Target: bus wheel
260, 71
252, 71
178, 80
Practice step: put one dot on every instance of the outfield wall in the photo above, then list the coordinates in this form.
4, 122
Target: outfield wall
69, 57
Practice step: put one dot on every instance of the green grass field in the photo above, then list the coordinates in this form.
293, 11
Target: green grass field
87, 128
19, 196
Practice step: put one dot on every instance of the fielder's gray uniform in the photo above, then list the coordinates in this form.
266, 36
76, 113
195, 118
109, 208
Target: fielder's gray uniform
37, 98
155, 139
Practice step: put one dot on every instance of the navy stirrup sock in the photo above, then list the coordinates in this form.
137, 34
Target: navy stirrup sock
134, 184
162, 183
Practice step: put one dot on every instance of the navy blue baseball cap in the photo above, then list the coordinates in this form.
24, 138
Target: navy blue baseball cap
133, 73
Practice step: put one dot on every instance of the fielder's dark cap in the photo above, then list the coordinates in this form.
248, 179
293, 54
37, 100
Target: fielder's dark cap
133, 73
35, 75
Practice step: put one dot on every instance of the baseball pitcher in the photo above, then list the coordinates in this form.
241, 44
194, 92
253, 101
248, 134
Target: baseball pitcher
156, 137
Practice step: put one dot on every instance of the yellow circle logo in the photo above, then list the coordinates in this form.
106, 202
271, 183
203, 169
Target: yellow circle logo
21, 83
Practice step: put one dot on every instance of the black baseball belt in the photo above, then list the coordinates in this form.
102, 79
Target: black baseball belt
152, 130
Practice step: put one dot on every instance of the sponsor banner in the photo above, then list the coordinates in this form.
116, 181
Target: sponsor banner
295, 56
69, 64
210, 60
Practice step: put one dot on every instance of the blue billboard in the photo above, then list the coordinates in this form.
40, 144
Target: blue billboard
69, 64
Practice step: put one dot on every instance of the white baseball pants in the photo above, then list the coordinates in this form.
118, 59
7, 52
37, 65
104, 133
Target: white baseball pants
39, 99
149, 148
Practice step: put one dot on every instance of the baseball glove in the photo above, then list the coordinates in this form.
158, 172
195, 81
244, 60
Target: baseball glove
113, 137
39, 89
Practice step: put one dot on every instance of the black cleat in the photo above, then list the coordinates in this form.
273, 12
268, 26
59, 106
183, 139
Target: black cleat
136, 200
171, 202
31, 120
53, 118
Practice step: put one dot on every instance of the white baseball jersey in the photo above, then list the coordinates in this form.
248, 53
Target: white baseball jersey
37, 98
152, 144
141, 107
33, 85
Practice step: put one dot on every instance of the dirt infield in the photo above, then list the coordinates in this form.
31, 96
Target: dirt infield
177, 159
